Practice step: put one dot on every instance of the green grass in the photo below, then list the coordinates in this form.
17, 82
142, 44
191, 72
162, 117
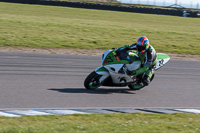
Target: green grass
63, 27
103, 123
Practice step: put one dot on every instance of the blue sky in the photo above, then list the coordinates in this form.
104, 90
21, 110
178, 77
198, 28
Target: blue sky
173, 1
184, 3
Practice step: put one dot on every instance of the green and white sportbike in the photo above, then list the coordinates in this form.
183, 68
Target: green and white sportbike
113, 71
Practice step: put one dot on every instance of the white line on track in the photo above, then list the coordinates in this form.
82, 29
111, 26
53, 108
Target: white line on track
8, 114
197, 111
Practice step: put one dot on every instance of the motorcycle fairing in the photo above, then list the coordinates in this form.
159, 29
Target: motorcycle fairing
102, 71
104, 55
161, 60
113, 71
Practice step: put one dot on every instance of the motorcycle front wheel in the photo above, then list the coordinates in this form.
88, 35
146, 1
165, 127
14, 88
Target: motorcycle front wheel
92, 81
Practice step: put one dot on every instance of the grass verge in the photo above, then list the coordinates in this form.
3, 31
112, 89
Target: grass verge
103, 123
63, 27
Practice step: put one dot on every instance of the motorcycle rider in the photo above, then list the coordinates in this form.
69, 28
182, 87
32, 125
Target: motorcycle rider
147, 55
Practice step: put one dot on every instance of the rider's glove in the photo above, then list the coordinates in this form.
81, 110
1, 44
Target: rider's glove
127, 47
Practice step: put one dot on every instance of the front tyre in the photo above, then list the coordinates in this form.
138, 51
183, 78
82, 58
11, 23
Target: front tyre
92, 81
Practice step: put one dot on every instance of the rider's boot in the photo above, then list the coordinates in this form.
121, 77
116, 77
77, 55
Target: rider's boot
146, 80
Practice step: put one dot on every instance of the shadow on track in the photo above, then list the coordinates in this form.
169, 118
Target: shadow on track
98, 91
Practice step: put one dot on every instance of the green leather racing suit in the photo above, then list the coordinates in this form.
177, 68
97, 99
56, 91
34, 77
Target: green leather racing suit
148, 63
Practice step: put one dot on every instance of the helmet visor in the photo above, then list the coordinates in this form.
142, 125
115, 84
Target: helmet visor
140, 48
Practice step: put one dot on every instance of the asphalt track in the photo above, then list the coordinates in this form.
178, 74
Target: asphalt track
30, 80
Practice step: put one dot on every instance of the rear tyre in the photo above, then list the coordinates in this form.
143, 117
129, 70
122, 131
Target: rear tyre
92, 81
135, 87
138, 87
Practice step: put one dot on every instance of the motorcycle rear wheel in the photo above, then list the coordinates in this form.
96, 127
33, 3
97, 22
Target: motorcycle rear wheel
92, 81
137, 87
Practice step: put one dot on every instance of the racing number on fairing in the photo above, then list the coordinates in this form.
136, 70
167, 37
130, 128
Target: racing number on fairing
109, 59
161, 62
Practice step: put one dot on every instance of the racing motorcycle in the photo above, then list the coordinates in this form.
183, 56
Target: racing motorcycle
113, 72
